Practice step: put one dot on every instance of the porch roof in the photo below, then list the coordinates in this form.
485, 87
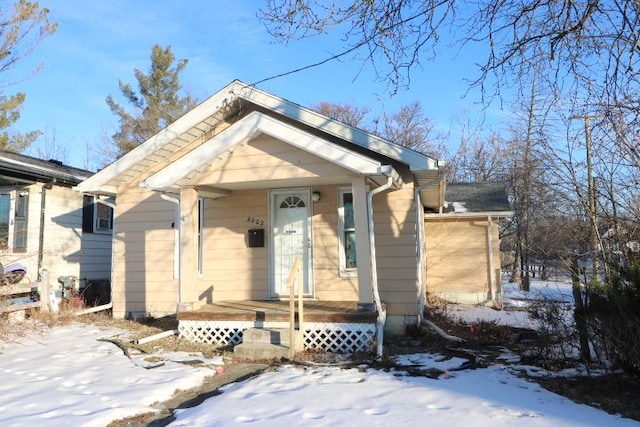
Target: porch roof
217, 149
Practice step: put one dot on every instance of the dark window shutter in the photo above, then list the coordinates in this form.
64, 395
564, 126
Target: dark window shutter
87, 214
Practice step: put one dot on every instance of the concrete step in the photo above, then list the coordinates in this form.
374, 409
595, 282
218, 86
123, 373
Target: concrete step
266, 336
260, 351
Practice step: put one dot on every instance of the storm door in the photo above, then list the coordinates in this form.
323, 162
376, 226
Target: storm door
291, 239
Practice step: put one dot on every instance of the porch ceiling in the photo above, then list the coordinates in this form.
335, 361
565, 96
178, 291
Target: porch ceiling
205, 167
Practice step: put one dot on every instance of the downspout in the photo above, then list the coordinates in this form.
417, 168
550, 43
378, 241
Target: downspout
177, 224
382, 315
422, 261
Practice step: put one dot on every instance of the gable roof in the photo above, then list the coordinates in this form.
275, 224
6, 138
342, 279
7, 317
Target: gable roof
231, 103
20, 169
477, 198
247, 128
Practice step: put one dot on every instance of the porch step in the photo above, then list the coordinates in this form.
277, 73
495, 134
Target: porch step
266, 336
263, 344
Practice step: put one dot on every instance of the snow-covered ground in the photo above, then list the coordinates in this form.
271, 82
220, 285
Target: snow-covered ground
66, 376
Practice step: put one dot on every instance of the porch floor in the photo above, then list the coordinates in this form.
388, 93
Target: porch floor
278, 311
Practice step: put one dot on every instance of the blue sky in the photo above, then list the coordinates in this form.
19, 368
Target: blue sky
100, 42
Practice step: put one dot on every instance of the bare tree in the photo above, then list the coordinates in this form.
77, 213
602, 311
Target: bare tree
49, 148
350, 114
480, 158
589, 44
409, 127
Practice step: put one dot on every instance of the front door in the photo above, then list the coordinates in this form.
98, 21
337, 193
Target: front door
291, 239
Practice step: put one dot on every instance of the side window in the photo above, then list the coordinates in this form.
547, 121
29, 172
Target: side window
14, 209
20, 222
347, 231
97, 216
5, 220
200, 235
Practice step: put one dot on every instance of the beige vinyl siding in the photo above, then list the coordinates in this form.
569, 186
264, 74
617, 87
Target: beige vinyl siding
329, 286
143, 274
265, 159
143, 252
394, 223
395, 228
457, 257
232, 269
87, 257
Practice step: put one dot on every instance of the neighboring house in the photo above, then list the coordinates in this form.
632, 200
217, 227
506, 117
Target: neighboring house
621, 242
44, 224
463, 244
216, 213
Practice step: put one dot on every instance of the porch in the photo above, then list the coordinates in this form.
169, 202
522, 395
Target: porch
333, 326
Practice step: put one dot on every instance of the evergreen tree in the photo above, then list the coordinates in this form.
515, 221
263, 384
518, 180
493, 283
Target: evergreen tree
157, 103
23, 25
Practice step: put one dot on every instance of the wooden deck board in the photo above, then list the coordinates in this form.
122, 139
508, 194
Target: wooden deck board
278, 311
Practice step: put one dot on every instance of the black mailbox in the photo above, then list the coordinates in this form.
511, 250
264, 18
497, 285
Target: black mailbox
256, 238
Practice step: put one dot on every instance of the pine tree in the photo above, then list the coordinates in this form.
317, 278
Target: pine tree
23, 25
157, 103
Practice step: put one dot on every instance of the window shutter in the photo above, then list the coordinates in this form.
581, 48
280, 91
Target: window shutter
87, 214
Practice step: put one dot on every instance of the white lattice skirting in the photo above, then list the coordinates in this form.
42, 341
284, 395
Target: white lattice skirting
339, 337
330, 337
212, 332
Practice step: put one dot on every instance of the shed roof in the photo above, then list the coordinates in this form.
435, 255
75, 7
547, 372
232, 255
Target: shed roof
477, 197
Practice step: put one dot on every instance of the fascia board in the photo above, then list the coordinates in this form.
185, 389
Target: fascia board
449, 215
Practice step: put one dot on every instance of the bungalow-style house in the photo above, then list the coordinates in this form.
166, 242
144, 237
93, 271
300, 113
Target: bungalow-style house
44, 224
248, 194
463, 244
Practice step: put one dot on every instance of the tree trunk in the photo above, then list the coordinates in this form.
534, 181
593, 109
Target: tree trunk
579, 313
515, 273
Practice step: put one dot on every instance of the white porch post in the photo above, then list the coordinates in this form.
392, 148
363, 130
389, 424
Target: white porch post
363, 243
188, 241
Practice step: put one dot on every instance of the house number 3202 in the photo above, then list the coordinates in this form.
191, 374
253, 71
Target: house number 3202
255, 221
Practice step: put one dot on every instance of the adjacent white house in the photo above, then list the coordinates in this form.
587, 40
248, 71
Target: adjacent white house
44, 224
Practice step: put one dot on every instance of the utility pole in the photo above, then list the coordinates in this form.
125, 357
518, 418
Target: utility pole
593, 215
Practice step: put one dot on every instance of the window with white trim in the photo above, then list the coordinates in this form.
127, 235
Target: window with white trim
347, 233
97, 216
